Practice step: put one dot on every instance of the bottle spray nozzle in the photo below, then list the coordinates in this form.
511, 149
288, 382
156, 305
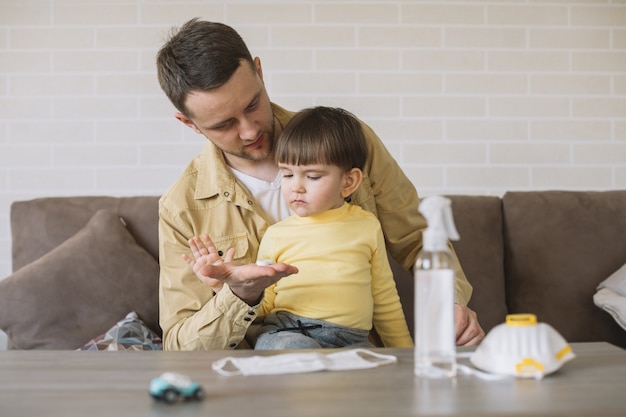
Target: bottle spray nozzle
438, 213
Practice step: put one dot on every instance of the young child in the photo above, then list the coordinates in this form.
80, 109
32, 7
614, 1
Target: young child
344, 284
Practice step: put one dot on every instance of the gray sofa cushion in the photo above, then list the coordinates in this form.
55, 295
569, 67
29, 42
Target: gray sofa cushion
559, 246
40, 225
481, 254
80, 288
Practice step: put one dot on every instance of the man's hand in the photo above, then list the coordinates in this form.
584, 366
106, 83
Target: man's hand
467, 329
248, 282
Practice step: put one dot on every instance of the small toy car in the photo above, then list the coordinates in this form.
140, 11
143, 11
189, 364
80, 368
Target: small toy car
171, 386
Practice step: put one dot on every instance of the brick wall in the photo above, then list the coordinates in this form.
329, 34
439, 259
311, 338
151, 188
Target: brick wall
472, 97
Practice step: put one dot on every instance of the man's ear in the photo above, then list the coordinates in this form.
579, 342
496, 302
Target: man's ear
186, 121
257, 65
352, 180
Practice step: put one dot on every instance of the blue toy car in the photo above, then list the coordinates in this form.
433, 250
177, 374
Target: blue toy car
170, 386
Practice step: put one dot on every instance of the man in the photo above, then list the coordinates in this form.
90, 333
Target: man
230, 194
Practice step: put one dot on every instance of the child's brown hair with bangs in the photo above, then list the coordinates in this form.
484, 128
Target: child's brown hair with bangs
322, 135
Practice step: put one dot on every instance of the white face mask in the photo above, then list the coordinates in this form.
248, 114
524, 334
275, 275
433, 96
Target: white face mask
523, 348
292, 363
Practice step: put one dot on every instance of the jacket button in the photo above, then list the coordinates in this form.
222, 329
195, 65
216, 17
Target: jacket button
247, 319
232, 345
220, 253
250, 202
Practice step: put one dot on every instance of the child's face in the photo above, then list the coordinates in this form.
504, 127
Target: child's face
312, 189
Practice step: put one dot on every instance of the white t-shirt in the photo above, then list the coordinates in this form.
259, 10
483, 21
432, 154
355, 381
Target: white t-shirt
267, 195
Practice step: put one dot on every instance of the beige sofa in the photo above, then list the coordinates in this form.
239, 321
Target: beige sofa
79, 270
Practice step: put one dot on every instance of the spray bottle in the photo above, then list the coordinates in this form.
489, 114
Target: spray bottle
435, 345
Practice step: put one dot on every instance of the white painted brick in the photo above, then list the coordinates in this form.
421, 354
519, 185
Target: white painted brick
529, 153
314, 83
358, 60
407, 130
52, 181
140, 180
495, 84
23, 108
619, 84
256, 37
566, 84
528, 61
620, 130
130, 84
424, 177
98, 13
404, 83
313, 36
527, 15
485, 38
52, 38
618, 38
600, 153
95, 61
399, 36
487, 130
536, 107
52, 85
175, 13
15, 156
94, 108
24, 62
432, 153
570, 38
356, 13
28, 133
443, 60
177, 155
269, 13
79, 156
602, 15
156, 107
24, 13
620, 178
599, 61
497, 177
133, 131
570, 130
444, 107
286, 60
451, 13
130, 37
364, 107
4, 38
571, 178
599, 107
4, 133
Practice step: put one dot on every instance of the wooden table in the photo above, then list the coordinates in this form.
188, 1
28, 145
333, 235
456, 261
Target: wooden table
63, 383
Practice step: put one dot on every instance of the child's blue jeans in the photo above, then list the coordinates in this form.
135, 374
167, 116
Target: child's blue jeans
283, 330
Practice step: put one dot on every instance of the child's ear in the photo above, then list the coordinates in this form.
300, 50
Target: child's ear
352, 180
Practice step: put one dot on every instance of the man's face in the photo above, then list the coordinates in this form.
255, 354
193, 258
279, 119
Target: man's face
236, 117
